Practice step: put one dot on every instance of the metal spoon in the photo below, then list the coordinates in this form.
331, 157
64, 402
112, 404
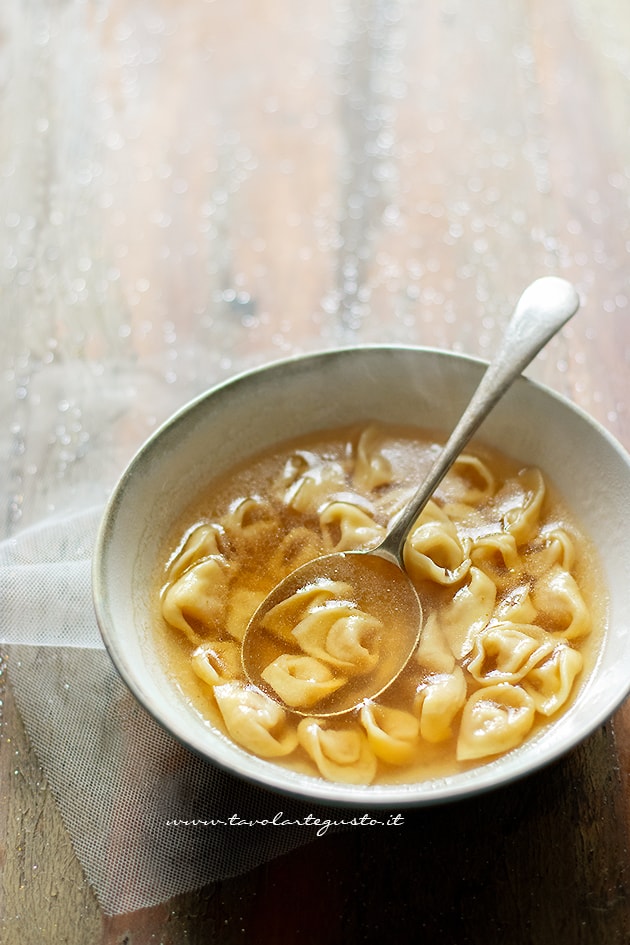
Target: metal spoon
378, 575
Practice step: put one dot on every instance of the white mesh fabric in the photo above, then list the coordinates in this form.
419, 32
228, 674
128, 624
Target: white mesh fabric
117, 776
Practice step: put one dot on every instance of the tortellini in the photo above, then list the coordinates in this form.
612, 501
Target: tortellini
523, 504
250, 521
392, 734
342, 636
301, 681
516, 606
281, 619
372, 467
217, 662
255, 721
496, 553
494, 720
470, 483
556, 548
558, 598
468, 612
203, 542
499, 569
198, 598
314, 483
433, 652
335, 638
438, 700
506, 652
346, 526
325, 622
549, 684
341, 754
296, 548
435, 551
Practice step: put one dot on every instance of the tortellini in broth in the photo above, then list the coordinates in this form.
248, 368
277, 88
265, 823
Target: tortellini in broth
509, 589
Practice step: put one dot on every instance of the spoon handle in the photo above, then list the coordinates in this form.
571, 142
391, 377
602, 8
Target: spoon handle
541, 311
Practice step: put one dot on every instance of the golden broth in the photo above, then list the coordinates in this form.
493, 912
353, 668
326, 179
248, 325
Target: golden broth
511, 593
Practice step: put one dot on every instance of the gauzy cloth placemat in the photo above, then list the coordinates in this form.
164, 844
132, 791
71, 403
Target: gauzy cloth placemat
147, 818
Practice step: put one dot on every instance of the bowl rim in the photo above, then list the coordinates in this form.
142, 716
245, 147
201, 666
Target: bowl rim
267, 774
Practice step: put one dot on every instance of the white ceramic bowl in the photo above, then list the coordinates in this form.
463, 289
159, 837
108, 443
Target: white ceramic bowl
288, 398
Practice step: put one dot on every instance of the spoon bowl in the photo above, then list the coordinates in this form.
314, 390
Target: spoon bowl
359, 587
356, 592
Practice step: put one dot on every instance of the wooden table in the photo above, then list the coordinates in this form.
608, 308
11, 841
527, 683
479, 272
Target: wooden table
191, 188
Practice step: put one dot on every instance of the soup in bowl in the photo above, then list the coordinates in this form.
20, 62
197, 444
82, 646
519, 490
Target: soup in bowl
519, 562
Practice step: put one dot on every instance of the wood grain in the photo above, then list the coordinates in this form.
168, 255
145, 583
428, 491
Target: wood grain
43, 893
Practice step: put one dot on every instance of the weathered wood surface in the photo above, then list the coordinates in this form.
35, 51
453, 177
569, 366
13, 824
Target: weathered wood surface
189, 188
